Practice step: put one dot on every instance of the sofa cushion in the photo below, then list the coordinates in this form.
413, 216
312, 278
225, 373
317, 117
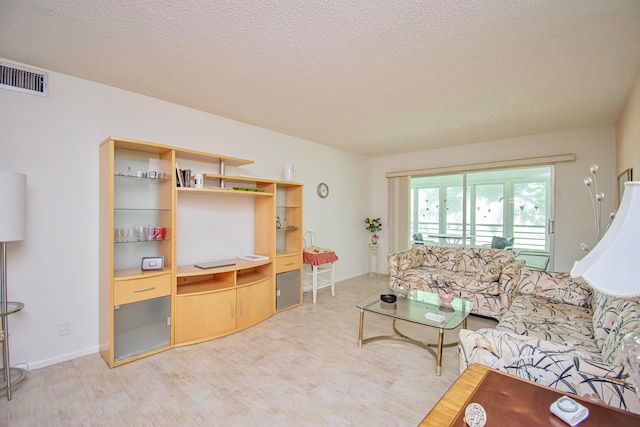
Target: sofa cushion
627, 321
441, 280
440, 257
565, 324
503, 257
421, 276
490, 272
452, 281
473, 260
449, 258
412, 259
556, 287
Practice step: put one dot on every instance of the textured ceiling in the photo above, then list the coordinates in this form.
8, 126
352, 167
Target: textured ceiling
369, 76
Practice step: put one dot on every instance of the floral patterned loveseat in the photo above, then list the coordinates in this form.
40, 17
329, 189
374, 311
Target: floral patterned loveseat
559, 334
482, 275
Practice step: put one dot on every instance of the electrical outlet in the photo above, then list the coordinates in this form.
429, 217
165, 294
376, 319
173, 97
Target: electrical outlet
63, 328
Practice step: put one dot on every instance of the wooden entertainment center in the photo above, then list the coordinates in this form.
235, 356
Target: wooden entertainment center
149, 303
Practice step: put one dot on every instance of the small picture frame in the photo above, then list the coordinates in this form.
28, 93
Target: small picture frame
625, 176
152, 263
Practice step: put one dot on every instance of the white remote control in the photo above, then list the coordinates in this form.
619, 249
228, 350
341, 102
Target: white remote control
569, 411
434, 317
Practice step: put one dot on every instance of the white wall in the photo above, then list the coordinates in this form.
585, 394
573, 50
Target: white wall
573, 213
55, 139
628, 134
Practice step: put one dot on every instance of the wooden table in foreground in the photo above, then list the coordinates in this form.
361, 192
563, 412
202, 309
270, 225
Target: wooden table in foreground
509, 400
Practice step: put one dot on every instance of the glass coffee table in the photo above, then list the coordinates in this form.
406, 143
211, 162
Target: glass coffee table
412, 308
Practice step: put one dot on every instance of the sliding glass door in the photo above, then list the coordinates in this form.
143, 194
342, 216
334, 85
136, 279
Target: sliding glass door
472, 208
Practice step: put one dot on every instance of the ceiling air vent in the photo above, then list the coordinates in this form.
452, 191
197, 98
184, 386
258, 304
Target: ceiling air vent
23, 79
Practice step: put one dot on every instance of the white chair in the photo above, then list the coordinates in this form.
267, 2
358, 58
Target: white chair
317, 270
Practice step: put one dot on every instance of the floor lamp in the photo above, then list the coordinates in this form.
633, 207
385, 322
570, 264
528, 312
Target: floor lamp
13, 188
611, 267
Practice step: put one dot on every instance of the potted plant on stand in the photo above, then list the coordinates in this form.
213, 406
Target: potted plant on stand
373, 225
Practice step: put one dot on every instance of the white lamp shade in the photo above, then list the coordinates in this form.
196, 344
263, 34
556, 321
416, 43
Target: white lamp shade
13, 206
613, 265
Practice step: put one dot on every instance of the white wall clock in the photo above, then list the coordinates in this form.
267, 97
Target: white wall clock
323, 190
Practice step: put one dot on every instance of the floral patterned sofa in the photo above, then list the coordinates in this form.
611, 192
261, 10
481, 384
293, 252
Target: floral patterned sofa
559, 334
483, 275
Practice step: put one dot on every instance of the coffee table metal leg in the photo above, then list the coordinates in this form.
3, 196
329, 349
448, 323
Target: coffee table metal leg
440, 343
434, 348
361, 327
464, 323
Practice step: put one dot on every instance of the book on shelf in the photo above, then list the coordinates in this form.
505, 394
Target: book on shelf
187, 177
179, 177
254, 257
183, 177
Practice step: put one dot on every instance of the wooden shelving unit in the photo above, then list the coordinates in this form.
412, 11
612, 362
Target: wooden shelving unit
195, 304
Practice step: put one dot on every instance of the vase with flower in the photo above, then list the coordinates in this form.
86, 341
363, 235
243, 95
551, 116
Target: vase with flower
373, 225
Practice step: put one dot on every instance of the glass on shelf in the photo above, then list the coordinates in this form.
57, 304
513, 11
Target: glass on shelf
141, 209
141, 233
143, 241
120, 234
145, 176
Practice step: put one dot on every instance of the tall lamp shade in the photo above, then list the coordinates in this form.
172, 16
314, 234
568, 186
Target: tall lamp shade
13, 202
612, 266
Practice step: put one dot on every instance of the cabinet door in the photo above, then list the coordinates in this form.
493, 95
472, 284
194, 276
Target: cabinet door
288, 290
203, 316
141, 327
255, 303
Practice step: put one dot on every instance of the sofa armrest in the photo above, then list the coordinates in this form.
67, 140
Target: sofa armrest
404, 260
555, 365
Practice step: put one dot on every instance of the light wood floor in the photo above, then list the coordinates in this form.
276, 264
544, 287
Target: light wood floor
301, 367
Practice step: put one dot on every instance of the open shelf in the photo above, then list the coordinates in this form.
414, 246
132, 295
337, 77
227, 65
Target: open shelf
238, 264
190, 285
238, 178
253, 275
200, 156
225, 191
142, 179
285, 253
136, 273
142, 241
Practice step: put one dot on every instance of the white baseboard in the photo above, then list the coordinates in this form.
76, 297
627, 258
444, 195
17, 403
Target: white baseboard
59, 359
306, 287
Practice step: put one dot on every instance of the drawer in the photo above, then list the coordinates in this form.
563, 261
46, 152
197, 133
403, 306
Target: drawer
133, 290
288, 263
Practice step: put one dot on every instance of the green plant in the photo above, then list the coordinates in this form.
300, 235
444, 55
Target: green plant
373, 224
